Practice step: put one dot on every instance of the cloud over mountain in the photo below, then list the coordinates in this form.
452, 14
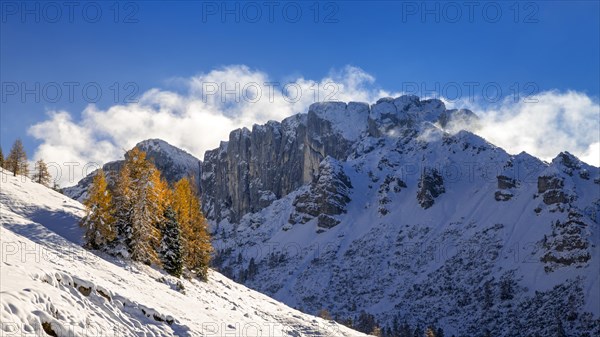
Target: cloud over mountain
214, 103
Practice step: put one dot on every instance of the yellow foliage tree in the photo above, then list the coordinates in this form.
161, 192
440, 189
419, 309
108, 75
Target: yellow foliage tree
194, 228
99, 222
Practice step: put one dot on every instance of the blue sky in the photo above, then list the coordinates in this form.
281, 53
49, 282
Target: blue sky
552, 44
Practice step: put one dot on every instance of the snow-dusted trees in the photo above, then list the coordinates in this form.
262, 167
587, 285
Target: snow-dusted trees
41, 174
156, 224
98, 222
171, 248
146, 202
196, 241
16, 162
122, 205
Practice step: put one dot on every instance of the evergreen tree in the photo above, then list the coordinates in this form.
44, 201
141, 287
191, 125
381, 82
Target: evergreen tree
395, 330
560, 330
146, 211
488, 295
41, 175
365, 322
439, 333
507, 285
122, 206
171, 250
405, 330
99, 222
1, 157
16, 162
196, 239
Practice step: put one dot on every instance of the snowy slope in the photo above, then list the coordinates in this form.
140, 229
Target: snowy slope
431, 228
49, 283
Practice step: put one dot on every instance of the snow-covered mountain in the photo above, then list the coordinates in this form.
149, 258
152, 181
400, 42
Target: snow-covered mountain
173, 162
50, 286
381, 209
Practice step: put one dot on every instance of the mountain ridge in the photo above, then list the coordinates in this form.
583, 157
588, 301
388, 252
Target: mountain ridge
408, 218
357, 205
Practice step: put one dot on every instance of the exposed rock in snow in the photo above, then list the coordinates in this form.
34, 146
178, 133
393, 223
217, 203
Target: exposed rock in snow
431, 186
436, 227
327, 197
275, 158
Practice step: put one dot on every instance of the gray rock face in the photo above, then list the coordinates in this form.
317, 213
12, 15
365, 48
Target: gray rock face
505, 185
173, 163
568, 244
546, 183
388, 114
257, 167
464, 118
431, 186
328, 196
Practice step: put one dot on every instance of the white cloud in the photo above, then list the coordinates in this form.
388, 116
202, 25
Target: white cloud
592, 154
543, 125
215, 103
201, 117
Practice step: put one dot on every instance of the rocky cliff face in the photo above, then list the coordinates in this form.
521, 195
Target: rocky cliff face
326, 197
173, 163
388, 209
258, 166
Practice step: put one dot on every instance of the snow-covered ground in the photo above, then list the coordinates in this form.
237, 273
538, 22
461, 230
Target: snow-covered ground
49, 284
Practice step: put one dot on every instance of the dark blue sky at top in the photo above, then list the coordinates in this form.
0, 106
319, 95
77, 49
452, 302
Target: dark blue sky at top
554, 44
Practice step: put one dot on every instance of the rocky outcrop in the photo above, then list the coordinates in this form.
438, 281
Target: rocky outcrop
551, 189
457, 119
431, 186
387, 114
327, 196
505, 185
256, 167
546, 183
568, 244
391, 184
